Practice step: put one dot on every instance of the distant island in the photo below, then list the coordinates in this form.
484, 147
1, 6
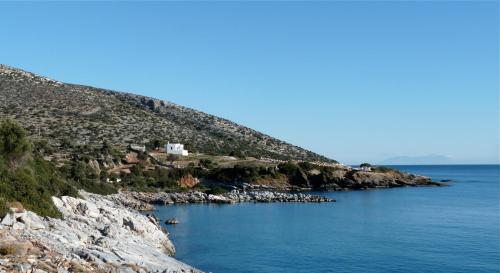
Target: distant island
77, 163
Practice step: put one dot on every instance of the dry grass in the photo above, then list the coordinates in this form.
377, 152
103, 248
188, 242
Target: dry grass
16, 206
10, 249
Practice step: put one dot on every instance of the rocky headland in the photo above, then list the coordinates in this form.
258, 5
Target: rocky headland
96, 234
362, 180
342, 180
327, 179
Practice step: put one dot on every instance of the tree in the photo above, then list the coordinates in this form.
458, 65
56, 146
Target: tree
106, 147
158, 143
205, 163
137, 169
14, 144
78, 171
237, 153
104, 175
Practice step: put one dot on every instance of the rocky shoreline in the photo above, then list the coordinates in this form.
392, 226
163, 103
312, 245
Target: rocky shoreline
96, 234
235, 196
109, 234
245, 192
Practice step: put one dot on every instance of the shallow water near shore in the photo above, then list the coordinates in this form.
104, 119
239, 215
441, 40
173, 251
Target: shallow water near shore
424, 229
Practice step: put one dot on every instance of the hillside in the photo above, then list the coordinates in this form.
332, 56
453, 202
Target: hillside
68, 116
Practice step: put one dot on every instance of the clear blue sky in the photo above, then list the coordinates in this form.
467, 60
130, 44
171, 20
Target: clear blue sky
355, 81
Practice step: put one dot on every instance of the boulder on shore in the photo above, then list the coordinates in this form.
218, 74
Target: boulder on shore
172, 221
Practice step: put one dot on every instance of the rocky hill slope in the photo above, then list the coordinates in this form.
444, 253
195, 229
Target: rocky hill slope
69, 115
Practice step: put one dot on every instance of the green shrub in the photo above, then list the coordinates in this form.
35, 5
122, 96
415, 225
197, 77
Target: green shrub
14, 144
206, 163
237, 153
33, 184
383, 169
296, 175
86, 178
237, 173
3, 207
289, 169
306, 166
32, 180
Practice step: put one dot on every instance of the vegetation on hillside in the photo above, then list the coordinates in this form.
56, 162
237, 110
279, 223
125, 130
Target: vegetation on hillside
85, 132
70, 116
26, 177
294, 174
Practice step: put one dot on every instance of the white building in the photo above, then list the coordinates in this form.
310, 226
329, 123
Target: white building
366, 169
175, 149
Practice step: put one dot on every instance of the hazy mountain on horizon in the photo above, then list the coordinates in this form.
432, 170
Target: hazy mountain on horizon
418, 160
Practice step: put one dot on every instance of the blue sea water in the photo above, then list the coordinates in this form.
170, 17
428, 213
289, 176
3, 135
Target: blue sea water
424, 229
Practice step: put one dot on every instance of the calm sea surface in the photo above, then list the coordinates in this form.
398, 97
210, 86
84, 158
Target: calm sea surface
427, 229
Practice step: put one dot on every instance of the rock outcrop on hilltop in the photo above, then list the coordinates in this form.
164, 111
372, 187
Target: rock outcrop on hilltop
96, 234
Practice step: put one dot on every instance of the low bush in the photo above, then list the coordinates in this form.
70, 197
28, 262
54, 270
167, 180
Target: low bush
85, 177
382, 169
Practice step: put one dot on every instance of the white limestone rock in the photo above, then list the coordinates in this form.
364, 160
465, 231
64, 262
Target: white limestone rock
18, 226
32, 220
8, 220
96, 230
